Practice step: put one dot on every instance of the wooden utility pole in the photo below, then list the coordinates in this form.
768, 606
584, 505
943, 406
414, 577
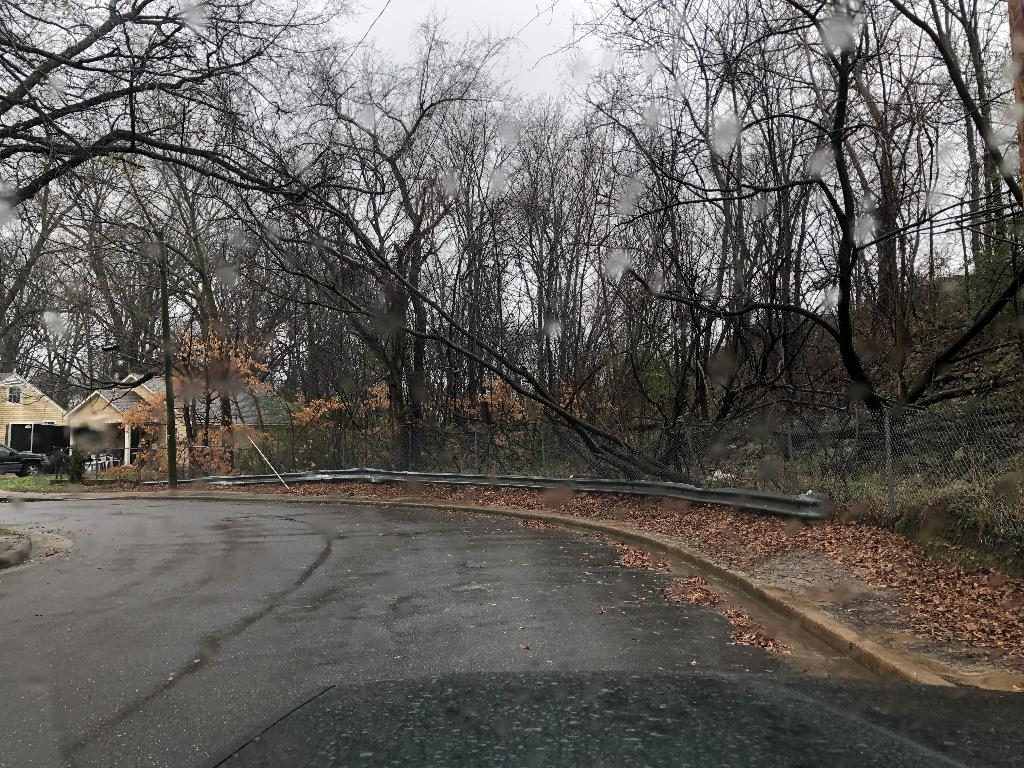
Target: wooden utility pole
172, 423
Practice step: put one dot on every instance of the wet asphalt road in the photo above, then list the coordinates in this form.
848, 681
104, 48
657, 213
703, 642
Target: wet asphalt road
175, 631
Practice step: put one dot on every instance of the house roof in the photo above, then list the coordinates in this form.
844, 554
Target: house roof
253, 410
154, 385
121, 400
246, 408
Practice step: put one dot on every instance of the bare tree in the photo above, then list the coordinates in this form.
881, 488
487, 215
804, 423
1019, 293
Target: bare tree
83, 81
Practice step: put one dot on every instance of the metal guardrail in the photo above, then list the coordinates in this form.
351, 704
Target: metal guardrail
807, 506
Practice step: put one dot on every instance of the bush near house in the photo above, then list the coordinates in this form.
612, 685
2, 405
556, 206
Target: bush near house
76, 466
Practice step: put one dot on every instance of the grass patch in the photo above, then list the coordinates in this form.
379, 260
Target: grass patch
30, 483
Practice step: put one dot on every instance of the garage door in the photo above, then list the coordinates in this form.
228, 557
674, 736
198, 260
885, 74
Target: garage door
21, 437
41, 438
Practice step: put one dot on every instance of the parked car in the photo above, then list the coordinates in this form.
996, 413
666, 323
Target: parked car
23, 462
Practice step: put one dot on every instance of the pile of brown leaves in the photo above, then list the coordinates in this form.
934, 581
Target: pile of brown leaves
940, 599
692, 591
538, 524
635, 557
745, 631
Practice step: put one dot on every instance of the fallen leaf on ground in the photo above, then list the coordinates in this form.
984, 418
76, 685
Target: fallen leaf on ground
692, 591
540, 524
747, 632
635, 557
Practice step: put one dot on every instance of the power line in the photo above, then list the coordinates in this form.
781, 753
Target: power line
366, 34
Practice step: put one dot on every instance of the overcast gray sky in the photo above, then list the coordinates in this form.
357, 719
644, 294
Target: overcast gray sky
546, 30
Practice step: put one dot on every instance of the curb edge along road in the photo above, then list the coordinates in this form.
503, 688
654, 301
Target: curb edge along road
17, 554
883, 662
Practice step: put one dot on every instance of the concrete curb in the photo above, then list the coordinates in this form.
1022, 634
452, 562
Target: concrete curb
884, 662
17, 554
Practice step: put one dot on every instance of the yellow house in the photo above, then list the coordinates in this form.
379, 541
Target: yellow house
29, 420
97, 423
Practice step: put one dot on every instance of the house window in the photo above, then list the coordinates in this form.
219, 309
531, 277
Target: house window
14, 395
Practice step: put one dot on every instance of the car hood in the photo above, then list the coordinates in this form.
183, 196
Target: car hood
619, 718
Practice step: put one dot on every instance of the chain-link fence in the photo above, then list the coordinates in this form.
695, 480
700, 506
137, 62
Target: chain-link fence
523, 448
954, 468
843, 452
959, 465
850, 454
